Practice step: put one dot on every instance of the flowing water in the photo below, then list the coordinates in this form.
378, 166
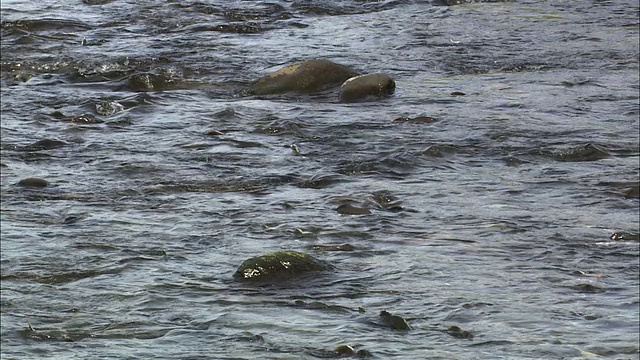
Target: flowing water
164, 176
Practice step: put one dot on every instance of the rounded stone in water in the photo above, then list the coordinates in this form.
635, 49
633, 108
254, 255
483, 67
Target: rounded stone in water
278, 265
302, 77
364, 87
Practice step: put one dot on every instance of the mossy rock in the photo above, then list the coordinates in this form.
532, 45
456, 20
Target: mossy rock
279, 265
367, 87
302, 77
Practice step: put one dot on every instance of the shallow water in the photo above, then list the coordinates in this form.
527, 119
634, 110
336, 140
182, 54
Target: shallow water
496, 218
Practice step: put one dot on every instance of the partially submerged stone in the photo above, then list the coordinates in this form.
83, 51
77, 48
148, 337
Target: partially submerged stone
302, 77
633, 192
44, 144
367, 87
33, 182
84, 119
341, 247
345, 350
150, 82
420, 119
348, 209
458, 333
108, 108
589, 152
626, 236
278, 265
342, 351
393, 321
463, 2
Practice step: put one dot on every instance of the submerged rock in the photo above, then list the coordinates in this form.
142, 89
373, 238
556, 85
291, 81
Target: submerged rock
341, 247
626, 236
317, 305
150, 82
50, 335
33, 182
348, 209
626, 189
278, 265
367, 87
345, 350
303, 77
108, 108
458, 333
462, 2
633, 192
349, 351
83, 119
588, 152
364, 353
393, 321
341, 351
420, 119
44, 144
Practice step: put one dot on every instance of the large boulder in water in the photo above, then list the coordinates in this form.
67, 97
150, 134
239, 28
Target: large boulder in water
278, 265
365, 87
303, 77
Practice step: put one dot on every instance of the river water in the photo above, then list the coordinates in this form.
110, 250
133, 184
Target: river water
496, 218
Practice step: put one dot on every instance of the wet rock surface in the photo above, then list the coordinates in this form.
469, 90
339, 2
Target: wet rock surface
367, 87
279, 265
303, 77
393, 321
458, 333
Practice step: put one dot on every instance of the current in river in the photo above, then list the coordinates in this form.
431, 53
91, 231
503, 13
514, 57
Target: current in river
137, 174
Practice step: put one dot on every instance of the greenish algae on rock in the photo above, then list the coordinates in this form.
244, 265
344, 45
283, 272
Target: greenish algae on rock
278, 265
302, 77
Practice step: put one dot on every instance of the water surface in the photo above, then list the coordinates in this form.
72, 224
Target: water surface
496, 218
